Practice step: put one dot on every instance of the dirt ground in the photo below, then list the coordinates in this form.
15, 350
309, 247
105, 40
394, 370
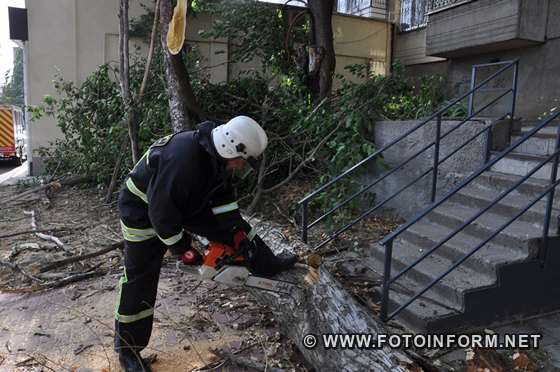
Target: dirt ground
50, 322
61, 318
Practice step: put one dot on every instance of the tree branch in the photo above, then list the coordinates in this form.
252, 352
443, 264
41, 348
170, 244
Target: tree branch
66, 261
150, 54
309, 158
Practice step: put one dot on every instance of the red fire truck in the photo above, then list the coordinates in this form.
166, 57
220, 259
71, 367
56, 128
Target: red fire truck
12, 135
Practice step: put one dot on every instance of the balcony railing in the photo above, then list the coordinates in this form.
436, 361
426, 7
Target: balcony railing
414, 13
438, 5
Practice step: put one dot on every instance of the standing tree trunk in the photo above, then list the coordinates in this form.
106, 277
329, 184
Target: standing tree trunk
137, 101
322, 59
124, 67
183, 107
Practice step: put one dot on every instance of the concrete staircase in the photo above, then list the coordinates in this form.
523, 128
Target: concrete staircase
478, 291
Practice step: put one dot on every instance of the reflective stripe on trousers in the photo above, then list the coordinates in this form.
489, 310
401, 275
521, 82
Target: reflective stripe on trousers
136, 235
139, 235
129, 318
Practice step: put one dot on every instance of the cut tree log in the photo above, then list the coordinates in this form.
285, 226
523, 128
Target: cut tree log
322, 306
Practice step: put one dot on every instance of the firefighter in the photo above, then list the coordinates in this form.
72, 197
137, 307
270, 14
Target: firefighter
182, 185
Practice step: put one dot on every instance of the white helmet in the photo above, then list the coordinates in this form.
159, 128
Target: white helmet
240, 137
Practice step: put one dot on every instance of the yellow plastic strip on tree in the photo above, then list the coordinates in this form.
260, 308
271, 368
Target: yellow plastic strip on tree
177, 26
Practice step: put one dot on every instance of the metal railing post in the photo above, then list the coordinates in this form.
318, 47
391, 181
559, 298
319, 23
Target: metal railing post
304, 221
386, 280
438, 115
514, 87
471, 96
489, 140
436, 158
550, 199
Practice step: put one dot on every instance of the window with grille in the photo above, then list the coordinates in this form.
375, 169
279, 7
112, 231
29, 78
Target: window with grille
363, 8
413, 14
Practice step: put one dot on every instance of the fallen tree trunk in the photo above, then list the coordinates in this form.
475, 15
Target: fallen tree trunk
322, 306
67, 181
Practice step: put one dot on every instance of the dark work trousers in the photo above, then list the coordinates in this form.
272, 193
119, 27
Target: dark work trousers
137, 294
138, 286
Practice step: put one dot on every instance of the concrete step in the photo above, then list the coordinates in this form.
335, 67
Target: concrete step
550, 129
427, 235
532, 187
538, 144
522, 164
418, 314
517, 235
477, 196
448, 291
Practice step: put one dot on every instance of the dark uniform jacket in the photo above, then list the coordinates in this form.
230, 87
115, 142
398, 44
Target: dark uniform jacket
180, 182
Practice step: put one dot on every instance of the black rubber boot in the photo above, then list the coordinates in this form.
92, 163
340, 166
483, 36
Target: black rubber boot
265, 263
133, 362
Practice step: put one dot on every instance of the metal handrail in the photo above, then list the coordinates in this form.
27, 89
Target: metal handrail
371, 210
410, 131
437, 115
472, 219
389, 239
465, 182
358, 193
392, 196
455, 265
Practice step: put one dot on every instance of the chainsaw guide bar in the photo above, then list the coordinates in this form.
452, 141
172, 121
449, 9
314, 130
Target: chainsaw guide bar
238, 276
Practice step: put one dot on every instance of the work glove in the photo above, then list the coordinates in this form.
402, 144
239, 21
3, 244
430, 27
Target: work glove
182, 246
261, 261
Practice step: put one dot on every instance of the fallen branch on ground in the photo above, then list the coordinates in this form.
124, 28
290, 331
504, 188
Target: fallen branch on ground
72, 279
33, 231
51, 238
67, 261
68, 181
18, 269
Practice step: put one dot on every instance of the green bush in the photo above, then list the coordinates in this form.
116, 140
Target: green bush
91, 117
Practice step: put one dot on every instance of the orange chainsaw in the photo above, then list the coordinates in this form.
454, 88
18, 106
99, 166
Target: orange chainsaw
227, 265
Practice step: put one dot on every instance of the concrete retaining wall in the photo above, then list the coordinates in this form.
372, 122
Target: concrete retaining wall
414, 199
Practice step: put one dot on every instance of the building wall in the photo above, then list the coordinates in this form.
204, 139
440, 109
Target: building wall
214, 52
361, 40
72, 38
410, 48
539, 66
486, 25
